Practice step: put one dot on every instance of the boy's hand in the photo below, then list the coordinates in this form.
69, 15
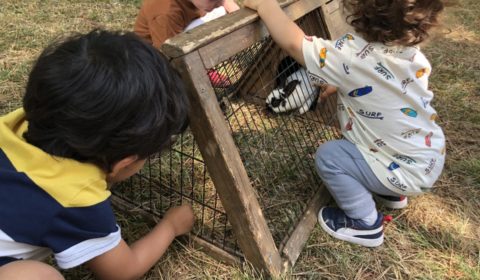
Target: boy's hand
181, 219
130, 262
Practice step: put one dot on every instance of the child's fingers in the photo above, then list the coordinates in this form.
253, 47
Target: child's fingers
329, 90
325, 91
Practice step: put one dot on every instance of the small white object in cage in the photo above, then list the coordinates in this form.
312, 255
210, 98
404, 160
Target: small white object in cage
297, 93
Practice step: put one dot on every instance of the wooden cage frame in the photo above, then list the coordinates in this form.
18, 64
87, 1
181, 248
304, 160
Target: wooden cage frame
193, 52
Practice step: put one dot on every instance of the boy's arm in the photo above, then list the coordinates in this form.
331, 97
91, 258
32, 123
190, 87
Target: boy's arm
282, 29
124, 262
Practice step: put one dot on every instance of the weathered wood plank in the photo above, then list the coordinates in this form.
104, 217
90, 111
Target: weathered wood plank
189, 41
335, 19
234, 28
292, 247
197, 243
214, 251
226, 168
238, 40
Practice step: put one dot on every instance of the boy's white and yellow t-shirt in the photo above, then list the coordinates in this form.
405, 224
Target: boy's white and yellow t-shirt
384, 107
50, 204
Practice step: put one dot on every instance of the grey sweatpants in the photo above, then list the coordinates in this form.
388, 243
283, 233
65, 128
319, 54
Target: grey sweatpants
348, 177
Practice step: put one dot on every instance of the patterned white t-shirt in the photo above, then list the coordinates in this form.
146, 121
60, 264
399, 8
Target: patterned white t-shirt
383, 107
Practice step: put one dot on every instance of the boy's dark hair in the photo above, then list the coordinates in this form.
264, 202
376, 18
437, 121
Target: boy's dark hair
101, 97
394, 22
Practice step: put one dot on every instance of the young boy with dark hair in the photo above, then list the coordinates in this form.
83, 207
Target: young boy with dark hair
96, 107
392, 147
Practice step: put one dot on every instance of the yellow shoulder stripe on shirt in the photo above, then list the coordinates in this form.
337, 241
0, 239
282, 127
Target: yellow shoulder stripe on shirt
69, 182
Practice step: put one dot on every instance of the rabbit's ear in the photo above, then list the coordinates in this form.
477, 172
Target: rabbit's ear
290, 87
280, 81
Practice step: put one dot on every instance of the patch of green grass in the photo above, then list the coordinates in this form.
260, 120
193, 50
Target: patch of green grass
466, 13
470, 169
469, 269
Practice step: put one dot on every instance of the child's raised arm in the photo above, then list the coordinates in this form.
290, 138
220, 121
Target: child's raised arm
124, 262
282, 29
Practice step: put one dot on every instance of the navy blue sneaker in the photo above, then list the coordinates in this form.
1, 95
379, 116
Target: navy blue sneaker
337, 224
392, 202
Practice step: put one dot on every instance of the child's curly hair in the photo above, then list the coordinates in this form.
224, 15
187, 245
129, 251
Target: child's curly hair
394, 22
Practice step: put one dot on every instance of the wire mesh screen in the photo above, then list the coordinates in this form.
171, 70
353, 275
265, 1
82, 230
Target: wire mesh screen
179, 175
277, 149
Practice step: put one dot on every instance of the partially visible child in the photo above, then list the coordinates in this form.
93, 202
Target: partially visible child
393, 147
96, 107
159, 20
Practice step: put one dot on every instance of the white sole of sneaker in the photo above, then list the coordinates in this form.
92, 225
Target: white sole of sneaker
392, 204
348, 234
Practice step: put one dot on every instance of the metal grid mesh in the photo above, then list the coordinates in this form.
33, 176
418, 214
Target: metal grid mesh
277, 149
176, 176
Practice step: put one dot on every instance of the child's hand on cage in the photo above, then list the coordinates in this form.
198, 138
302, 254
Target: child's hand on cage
325, 91
181, 219
230, 6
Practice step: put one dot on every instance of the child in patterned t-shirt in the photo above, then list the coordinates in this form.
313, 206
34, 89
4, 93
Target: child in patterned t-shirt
392, 147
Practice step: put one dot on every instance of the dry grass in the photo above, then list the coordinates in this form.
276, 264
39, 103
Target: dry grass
436, 237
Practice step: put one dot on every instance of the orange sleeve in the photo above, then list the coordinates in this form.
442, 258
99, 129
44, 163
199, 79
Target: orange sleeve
162, 28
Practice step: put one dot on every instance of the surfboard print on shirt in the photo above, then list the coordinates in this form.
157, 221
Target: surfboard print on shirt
360, 91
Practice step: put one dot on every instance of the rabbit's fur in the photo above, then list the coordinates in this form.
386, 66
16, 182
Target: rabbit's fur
295, 92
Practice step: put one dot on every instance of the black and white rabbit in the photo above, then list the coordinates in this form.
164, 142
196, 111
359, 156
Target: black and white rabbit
295, 92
